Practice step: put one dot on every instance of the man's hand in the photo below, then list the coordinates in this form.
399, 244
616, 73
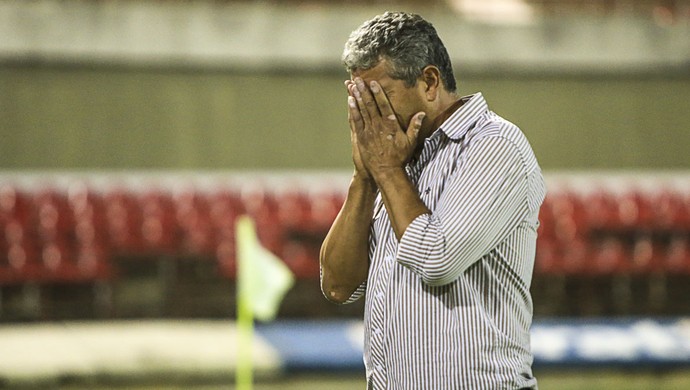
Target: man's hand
381, 142
360, 170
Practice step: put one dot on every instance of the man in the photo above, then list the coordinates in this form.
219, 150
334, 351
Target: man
439, 224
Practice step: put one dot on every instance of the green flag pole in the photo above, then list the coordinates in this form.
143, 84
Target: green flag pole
244, 371
262, 281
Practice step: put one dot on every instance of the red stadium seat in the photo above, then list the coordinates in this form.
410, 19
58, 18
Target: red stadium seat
547, 258
259, 203
303, 260
7, 275
683, 218
224, 207
88, 212
677, 255
634, 211
123, 219
608, 256
325, 206
14, 204
65, 263
19, 253
21, 263
648, 255
88, 232
564, 217
667, 209
158, 226
262, 207
600, 210
53, 217
226, 257
573, 257
58, 262
198, 238
294, 210
193, 217
546, 231
15, 232
93, 262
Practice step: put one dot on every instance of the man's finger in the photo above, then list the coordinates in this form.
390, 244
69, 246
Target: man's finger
382, 101
353, 114
359, 103
366, 99
414, 127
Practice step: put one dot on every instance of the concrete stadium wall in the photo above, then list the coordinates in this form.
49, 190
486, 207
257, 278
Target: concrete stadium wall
105, 118
202, 85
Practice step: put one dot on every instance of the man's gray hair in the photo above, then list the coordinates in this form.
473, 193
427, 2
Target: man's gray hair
408, 42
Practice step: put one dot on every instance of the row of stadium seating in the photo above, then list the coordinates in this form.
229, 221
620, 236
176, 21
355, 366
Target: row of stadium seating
52, 233
603, 232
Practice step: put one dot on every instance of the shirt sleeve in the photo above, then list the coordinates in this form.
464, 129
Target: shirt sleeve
484, 200
358, 293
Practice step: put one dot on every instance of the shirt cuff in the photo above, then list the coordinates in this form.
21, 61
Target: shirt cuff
418, 242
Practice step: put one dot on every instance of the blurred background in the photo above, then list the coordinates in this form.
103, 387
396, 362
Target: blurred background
134, 132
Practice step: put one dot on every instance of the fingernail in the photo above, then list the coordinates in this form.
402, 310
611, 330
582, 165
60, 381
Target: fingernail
374, 87
357, 94
351, 102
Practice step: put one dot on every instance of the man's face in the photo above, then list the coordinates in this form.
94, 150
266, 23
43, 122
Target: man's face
405, 101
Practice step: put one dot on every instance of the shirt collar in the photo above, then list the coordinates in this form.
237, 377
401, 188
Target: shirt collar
464, 117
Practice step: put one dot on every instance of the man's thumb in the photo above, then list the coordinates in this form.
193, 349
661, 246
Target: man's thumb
416, 125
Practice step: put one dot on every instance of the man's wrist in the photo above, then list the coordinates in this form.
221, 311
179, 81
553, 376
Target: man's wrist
384, 175
364, 181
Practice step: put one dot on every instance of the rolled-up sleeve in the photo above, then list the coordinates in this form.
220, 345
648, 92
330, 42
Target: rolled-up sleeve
483, 201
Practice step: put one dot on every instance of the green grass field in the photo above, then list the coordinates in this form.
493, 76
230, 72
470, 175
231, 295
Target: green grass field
561, 380
557, 380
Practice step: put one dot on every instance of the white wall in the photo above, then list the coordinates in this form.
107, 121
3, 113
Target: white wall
263, 35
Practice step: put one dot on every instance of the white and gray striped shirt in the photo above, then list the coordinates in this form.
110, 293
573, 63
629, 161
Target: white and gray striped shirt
448, 307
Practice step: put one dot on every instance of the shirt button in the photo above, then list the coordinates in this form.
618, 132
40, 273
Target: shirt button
389, 258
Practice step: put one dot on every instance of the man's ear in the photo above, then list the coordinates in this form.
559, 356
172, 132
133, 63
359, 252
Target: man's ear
432, 79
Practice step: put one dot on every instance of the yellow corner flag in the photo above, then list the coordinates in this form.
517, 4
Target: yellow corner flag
262, 281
